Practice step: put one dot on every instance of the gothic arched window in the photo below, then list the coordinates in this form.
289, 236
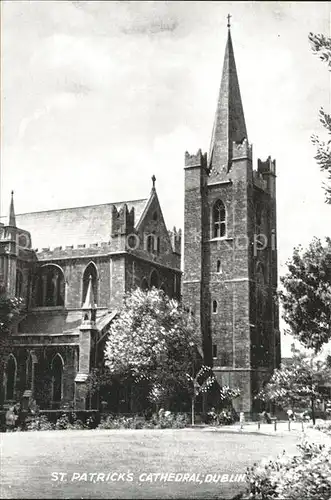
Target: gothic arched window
57, 378
215, 305
219, 219
90, 271
218, 267
49, 286
154, 280
10, 377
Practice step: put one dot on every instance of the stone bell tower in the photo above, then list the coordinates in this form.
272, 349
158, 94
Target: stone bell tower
230, 252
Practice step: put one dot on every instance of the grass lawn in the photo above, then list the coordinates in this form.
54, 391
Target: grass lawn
28, 460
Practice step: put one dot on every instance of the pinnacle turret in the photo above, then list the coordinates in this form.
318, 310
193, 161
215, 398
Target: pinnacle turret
89, 303
12, 218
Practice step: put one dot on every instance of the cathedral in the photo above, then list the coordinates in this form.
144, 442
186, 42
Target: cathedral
73, 266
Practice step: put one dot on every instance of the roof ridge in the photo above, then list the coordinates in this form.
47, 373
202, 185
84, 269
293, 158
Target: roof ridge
84, 206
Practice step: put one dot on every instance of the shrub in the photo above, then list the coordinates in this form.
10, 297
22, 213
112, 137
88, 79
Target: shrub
168, 420
307, 475
62, 422
225, 417
69, 422
112, 422
324, 427
161, 420
38, 423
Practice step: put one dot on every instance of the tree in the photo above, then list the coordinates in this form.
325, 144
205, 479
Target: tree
10, 309
306, 294
153, 341
299, 383
321, 46
199, 384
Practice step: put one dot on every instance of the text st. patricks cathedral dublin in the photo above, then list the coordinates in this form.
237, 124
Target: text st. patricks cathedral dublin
73, 266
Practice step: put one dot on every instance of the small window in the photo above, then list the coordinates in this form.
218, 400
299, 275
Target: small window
214, 306
158, 245
155, 216
214, 351
218, 267
152, 243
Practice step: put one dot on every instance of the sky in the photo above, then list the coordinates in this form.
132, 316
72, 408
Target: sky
96, 97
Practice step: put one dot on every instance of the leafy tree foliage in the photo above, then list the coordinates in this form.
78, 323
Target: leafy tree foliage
154, 341
10, 309
306, 294
321, 46
298, 384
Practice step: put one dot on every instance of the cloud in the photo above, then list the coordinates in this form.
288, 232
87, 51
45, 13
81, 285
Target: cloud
152, 27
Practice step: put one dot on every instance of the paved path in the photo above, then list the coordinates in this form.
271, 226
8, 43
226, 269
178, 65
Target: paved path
283, 429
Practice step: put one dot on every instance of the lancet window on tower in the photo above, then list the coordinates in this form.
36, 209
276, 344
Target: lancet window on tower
219, 219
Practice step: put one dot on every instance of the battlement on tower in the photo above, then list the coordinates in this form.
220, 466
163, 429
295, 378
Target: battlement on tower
266, 167
195, 160
265, 175
242, 150
176, 240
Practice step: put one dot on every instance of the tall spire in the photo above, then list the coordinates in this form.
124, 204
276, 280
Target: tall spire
12, 218
229, 124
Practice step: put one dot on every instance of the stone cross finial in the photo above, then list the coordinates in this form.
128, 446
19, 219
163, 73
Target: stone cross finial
229, 17
153, 180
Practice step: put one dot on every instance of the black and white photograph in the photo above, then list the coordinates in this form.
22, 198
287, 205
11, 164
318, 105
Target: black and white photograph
165, 250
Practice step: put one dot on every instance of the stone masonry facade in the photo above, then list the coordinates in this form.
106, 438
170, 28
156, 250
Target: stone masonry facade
73, 266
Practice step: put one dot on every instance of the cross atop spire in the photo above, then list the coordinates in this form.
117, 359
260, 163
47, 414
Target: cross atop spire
229, 123
229, 18
12, 218
153, 181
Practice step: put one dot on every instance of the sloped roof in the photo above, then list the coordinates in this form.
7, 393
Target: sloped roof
73, 226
